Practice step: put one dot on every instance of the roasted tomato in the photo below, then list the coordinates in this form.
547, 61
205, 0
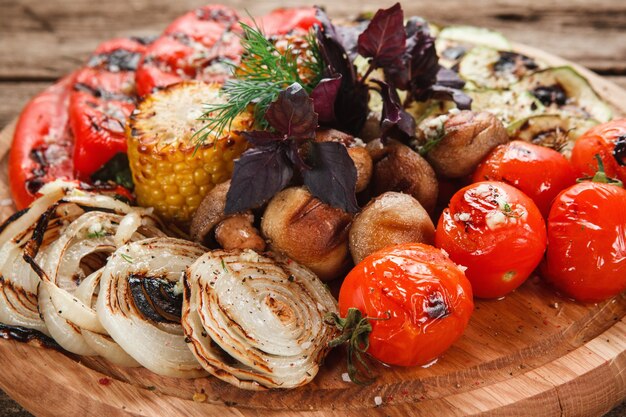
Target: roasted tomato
496, 232
607, 140
417, 300
102, 100
42, 143
586, 257
540, 172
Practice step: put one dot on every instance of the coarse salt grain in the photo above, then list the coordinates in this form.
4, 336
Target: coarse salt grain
378, 401
345, 377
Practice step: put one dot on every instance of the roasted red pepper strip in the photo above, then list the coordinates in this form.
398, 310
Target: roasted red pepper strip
194, 46
285, 20
42, 143
199, 44
103, 98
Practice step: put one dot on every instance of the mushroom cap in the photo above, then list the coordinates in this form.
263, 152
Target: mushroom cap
399, 168
308, 231
469, 137
210, 212
389, 219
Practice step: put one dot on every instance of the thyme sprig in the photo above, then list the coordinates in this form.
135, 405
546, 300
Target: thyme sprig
263, 73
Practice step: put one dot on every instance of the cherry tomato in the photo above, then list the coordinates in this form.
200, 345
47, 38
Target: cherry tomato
42, 143
586, 257
497, 232
540, 172
607, 140
420, 299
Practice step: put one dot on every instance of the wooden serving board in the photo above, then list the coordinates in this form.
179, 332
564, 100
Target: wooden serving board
533, 353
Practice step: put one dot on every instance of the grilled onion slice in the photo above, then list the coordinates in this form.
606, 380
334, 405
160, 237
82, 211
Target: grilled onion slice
256, 321
64, 264
136, 304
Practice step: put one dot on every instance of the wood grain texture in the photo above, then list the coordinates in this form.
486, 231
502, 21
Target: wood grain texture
533, 353
61, 33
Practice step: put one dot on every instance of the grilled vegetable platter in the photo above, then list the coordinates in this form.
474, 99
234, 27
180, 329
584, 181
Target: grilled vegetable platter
220, 213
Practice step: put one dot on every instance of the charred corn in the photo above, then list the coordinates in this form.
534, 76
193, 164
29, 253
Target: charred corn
170, 174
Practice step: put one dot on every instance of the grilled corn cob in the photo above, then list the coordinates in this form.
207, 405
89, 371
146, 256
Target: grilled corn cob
170, 174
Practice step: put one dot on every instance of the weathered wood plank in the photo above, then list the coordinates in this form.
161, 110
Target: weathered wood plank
61, 33
14, 96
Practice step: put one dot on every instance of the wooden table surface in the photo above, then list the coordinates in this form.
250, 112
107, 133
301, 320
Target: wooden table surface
42, 40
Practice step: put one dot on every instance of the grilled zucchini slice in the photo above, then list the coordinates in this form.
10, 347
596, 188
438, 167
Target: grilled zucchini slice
553, 131
484, 67
563, 90
506, 105
453, 42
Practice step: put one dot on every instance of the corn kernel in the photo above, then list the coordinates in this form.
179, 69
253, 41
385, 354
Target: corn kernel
169, 173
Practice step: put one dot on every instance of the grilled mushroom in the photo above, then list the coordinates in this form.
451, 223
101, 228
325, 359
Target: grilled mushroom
211, 225
308, 231
360, 156
389, 219
399, 168
468, 138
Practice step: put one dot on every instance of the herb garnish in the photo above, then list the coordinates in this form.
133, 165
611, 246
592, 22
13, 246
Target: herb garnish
263, 73
97, 234
127, 258
355, 331
261, 172
288, 106
407, 56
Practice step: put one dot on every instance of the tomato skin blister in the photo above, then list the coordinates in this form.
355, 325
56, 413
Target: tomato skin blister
420, 299
540, 172
586, 256
497, 232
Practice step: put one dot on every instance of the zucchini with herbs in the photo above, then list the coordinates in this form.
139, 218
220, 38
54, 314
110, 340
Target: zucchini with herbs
563, 90
506, 105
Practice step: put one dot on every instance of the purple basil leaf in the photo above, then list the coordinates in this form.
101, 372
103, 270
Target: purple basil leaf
258, 175
384, 39
462, 100
448, 78
295, 155
324, 96
423, 61
420, 63
348, 37
261, 137
292, 113
394, 120
333, 176
351, 108
413, 25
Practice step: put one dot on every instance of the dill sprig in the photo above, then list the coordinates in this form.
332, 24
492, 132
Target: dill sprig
263, 73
